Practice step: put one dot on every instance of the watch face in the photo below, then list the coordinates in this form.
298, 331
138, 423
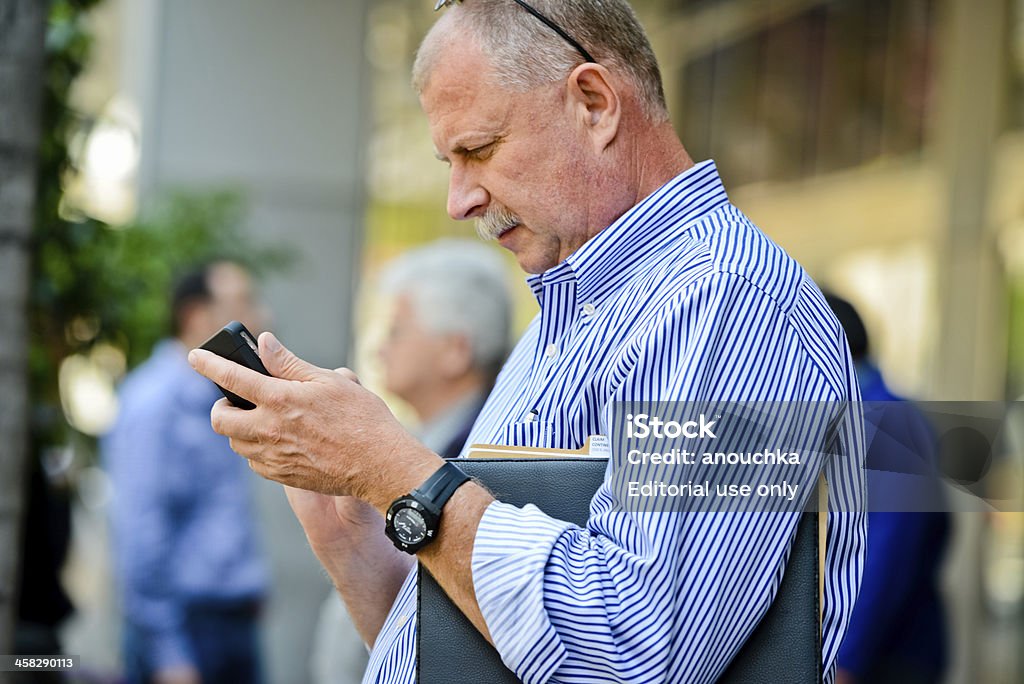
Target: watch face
409, 526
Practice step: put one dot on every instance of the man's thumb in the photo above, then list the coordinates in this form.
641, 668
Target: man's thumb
282, 363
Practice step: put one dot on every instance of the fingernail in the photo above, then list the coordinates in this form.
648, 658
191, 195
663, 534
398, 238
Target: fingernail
193, 358
272, 344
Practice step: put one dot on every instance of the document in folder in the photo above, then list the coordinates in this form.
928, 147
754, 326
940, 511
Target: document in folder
596, 446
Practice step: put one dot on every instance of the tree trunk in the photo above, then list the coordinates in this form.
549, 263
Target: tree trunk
22, 30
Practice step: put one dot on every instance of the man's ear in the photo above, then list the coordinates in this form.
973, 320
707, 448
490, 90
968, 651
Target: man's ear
596, 103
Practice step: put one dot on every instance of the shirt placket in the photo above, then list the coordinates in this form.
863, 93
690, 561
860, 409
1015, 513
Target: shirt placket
557, 314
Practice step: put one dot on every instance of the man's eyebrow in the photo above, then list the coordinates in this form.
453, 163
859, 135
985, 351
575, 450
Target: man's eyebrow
440, 157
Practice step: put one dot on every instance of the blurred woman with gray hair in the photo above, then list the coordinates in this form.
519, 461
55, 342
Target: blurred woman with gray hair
448, 336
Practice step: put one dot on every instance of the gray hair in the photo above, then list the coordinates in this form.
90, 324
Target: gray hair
457, 286
525, 53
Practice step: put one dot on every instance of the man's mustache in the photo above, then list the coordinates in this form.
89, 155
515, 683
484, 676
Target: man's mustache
495, 221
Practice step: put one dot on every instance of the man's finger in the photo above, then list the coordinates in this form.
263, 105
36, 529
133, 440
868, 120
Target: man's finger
233, 422
243, 381
282, 363
260, 470
250, 451
348, 374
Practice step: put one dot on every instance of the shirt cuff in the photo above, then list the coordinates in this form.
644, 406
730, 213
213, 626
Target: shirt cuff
510, 553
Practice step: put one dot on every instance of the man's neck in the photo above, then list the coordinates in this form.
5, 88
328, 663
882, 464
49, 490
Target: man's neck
654, 156
660, 157
190, 340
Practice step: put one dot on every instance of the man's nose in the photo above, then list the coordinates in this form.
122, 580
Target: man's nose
466, 197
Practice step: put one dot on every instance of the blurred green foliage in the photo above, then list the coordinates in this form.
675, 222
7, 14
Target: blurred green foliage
93, 283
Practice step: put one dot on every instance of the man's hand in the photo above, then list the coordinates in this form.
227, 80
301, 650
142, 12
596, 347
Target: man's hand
319, 430
333, 521
346, 535
314, 428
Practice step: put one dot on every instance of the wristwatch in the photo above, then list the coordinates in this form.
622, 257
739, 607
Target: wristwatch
412, 520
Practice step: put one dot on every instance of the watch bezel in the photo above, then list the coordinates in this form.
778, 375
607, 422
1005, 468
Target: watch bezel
428, 500
430, 519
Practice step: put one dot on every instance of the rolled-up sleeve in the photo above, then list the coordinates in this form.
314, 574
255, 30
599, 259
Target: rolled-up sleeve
671, 600
509, 578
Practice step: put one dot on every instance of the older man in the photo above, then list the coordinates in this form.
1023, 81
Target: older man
447, 336
652, 286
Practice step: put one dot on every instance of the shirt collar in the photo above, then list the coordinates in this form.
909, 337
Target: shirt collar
608, 259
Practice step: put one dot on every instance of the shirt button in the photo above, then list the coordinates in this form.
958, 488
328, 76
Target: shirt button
589, 309
551, 351
402, 620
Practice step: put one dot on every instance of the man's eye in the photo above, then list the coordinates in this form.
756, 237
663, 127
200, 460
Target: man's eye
481, 152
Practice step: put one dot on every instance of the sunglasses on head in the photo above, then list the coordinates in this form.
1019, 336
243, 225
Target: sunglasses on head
540, 17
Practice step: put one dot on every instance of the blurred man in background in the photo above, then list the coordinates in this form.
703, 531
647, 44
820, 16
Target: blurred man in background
897, 631
191, 575
447, 337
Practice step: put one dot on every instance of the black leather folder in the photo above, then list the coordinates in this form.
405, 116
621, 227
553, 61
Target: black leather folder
785, 646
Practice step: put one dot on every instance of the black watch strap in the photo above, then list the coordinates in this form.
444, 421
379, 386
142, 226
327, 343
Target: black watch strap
440, 486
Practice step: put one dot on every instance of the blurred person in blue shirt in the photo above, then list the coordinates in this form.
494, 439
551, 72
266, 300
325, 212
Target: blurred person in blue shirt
897, 633
191, 574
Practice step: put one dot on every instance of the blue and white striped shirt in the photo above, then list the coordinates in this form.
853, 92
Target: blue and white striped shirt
681, 299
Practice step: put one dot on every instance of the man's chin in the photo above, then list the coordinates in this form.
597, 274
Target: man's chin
532, 262
528, 249
533, 270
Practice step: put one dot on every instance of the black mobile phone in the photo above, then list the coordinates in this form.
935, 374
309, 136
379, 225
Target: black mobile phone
237, 344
